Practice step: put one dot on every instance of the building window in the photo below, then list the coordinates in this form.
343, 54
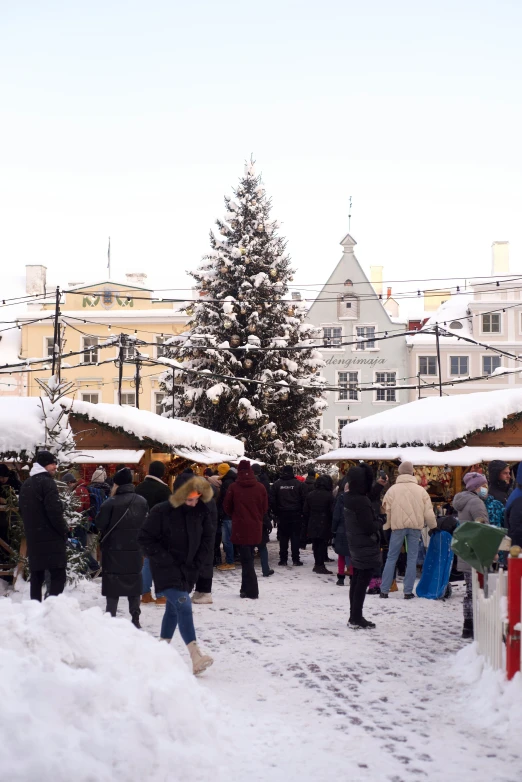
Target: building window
128, 398
92, 397
366, 337
388, 394
129, 352
161, 349
158, 402
348, 306
459, 365
90, 350
341, 423
348, 386
332, 336
49, 347
490, 363
491, 323
427, 365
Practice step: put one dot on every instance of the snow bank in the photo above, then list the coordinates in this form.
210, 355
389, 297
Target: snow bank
86, 697
434, 420
489, 700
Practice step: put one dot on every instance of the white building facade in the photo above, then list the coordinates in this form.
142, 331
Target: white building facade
349, 310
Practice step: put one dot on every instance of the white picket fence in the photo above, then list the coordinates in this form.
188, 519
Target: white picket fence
488, 618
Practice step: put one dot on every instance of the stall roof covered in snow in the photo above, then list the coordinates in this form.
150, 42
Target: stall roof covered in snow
172, 434
22, 428
423, 455
434, 420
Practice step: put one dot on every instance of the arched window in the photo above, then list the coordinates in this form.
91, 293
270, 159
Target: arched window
348, 283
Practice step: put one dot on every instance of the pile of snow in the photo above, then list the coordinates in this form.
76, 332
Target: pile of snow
454, 310
86, 697
434, 420
169, 431
489, 700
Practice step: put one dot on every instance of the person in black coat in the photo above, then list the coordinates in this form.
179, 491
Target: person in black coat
155, 491
45, 527
363, 535
263, 478
340, 541
119, 521
228, 475
499, 481
288, 495
318, 512
177, 537
203, 589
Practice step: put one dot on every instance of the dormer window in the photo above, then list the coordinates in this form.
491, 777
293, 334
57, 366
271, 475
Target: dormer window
348, 307
348, 283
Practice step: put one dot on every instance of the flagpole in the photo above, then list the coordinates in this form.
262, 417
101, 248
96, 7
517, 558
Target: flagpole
109, 258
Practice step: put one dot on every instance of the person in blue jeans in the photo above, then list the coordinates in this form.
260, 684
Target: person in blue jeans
408, 510
228, 476
178, 538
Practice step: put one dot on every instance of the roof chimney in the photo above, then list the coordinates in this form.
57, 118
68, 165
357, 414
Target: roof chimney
136, 279
376, 278
35, 279
500, 258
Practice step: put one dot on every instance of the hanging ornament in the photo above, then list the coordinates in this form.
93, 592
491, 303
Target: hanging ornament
273, 433
273, 272
260, 227
300, 390
240, 296
248, 363
189, 310
234, 223
215, 400
242, 251
188, 403
290, 279
243, 310
267, 392
223, 269
223, 231
264, 434
283, 396
251, 421
227, 324
290, 311
246, 260
304, 435
235, 340
252, 328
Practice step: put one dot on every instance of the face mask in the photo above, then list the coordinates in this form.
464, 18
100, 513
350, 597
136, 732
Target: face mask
482, 492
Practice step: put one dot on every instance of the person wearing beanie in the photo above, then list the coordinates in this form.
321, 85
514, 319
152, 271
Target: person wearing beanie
318, 513
155, 490
45, 528
119, 521
228, 476
470, 506
408, 510
263, 478
178, 538
246, 502
288, 504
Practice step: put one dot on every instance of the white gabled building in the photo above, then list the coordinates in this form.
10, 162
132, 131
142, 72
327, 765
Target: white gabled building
348, 309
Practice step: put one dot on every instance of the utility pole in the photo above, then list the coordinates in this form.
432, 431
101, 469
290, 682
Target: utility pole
137, 380
56, 336
120, 366
438, 356
350, 215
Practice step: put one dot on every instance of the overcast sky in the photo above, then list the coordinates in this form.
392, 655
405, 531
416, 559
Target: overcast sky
133, 119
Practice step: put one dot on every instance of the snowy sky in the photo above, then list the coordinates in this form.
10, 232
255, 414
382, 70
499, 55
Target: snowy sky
132, 120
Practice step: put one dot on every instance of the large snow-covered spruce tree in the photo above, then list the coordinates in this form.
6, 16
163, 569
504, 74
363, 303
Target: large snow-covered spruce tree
246, 326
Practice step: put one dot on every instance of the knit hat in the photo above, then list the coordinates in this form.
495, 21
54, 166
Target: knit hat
44, 458
256, 469
122, 477
406, 468
474, 480
287, 471
222, 469
4, 471
157, 469
244, 470
69, 477
99, 476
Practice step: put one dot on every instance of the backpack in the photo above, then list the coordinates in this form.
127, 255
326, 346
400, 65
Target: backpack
97, 497
495, 511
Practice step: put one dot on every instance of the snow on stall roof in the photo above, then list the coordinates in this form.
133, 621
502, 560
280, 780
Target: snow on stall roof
108, 456
172, 433
21, 424
423, 455
434, 420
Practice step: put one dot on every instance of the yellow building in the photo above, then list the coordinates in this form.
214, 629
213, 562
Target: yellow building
90, 315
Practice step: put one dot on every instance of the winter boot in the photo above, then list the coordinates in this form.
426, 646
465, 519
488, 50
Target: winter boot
161, 601
322, 570
136, 620
283, 563
147, 598
361, 624
409, 596
200, 662
297, 563
384, 595
202, 598
340, 580
270, 573
394, 587
467, 630
226, 566
374, 591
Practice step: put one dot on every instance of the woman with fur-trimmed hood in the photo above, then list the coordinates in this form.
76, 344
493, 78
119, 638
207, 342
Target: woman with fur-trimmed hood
177, 537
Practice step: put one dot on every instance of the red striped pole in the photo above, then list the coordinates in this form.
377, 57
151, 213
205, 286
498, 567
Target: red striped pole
514, 600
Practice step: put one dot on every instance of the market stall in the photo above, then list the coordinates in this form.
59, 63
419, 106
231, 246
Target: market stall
443, 437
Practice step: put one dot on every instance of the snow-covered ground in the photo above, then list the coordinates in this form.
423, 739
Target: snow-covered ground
293, 694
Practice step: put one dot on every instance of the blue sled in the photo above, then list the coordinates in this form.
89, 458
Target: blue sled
437, 567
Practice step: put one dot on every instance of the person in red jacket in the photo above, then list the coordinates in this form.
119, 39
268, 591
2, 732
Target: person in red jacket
246, 502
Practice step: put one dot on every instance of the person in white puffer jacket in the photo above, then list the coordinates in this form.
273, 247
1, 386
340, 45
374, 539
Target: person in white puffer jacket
408, 509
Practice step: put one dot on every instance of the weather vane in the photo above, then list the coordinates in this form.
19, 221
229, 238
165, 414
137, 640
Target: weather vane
350, 214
